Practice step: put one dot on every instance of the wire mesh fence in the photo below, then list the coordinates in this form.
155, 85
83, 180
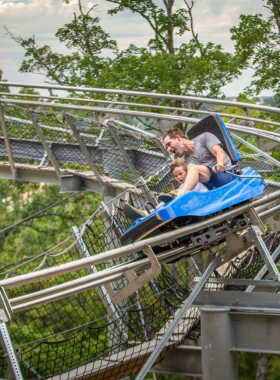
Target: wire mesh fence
114, 153
86, 334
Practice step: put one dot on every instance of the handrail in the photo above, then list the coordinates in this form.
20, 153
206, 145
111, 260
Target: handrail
110, 274
273, 136
142, 105
131, 248
143, 94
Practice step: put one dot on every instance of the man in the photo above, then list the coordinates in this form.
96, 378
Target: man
207, 161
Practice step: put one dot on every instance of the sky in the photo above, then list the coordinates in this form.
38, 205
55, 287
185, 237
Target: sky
212, 22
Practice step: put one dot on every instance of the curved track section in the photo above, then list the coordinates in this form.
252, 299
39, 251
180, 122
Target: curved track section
65, 324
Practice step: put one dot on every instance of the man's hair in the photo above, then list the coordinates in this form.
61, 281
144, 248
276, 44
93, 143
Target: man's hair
177, 163
172, 133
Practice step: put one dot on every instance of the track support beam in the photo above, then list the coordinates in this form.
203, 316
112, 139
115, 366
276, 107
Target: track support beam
13, 371
218, 361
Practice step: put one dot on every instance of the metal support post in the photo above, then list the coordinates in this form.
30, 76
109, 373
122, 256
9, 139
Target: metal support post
7, 143
83, 147
45, 143
264, 269
125, 156
113, 337
271, 266
265, 155
178, 318
130, 164
218, 361
13, 366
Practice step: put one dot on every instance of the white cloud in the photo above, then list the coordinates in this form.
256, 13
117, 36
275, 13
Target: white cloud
213, 20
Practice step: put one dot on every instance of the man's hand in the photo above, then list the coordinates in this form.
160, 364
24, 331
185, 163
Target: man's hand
174, 191
218, 152
219, 168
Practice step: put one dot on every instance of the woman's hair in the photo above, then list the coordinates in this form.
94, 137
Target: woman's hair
177, 163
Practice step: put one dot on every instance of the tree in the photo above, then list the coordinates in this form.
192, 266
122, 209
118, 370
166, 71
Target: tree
258, 46
192, 68
164, 23
20, 200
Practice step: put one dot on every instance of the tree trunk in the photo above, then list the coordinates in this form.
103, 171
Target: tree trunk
262, 366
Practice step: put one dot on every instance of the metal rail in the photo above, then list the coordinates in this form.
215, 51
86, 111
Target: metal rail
93, 281
112, 116
144, 105
116, 273
273, 136
116, 253
143, 94
135, 247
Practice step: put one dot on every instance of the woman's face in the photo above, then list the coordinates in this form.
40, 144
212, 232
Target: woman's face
180, 174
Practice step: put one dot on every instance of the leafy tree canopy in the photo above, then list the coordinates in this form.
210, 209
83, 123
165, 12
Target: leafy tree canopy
258, 45
19, 200
191, 68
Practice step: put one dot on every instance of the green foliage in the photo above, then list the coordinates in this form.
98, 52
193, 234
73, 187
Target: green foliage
128, 177
257, 45
273, 370
186, 72
164, 23
193, 68
2, 88
30, 239
248, 362
247, 366
77, 33
20, 200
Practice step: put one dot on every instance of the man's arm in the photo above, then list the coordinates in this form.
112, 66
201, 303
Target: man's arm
218, 152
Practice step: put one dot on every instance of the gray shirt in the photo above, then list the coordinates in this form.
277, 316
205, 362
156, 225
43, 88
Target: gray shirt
202, 155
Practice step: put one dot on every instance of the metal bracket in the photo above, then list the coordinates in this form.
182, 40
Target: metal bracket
136, 282
240, 281
232, 249
222, 230
256, 221
235, 245
5, 307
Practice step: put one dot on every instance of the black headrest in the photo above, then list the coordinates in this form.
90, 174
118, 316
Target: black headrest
214, 124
